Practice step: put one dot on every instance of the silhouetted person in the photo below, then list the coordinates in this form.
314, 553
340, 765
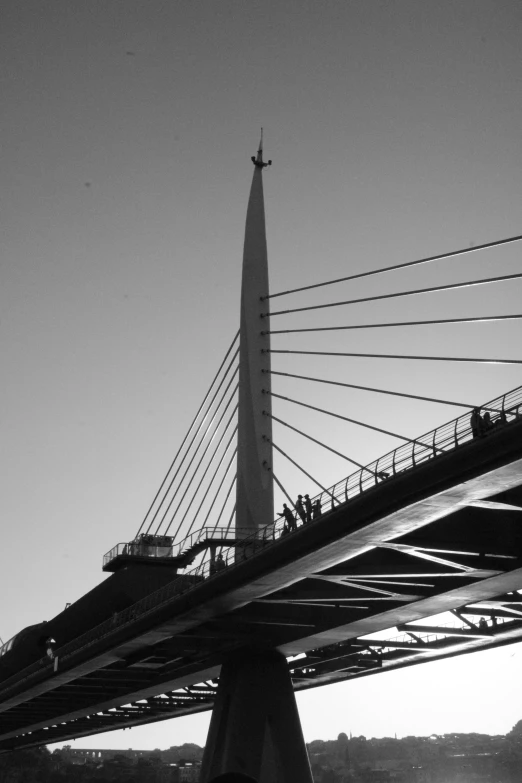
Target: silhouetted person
483, 624
316, 513
475, 423
49, 647
289, 517
486, 421
300, 508
233, 777
220, 563
308, 508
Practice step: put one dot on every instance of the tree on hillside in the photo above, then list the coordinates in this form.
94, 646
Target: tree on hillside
516, 731
26, 766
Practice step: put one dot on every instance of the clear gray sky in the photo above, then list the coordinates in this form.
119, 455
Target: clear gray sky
395, 129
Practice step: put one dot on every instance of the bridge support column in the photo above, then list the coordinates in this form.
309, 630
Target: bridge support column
255, 726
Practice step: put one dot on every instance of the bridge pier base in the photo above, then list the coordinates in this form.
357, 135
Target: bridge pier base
255, 726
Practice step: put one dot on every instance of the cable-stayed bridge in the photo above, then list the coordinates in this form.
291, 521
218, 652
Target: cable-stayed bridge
412, 557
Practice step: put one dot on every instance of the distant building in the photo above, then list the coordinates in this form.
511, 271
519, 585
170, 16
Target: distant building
188, 753
189, 773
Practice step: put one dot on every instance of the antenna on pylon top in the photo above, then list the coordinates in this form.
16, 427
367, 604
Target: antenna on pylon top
258, 161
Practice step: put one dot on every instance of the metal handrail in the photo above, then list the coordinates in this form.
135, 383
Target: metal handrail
137, 548
203, 535
444, 438
210, 533
428, 636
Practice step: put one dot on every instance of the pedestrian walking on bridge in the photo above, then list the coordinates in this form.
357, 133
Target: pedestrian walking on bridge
289, 517
475, 423
308, 508
300, 508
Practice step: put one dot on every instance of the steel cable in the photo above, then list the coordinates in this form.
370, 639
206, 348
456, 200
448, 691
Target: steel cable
213, 477
210, 484
211, 458
283, 490
234, 454
355, 421
196, 433
426, 260
319, 443
416, 292
189, 431
225, 503
399, 323
305, 472
198, 447
398, 356
379, 391
231, 516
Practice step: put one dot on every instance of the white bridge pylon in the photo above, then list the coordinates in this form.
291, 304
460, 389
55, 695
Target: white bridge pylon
255, 494
255, 727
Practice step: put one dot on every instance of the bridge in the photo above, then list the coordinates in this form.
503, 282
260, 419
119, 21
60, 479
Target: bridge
413, 557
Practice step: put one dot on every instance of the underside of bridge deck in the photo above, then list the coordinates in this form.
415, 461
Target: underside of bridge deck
343, 597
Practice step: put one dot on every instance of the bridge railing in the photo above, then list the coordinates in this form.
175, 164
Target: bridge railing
431, 636
217, 534
434, 443
426, 447
141, 547
137, 548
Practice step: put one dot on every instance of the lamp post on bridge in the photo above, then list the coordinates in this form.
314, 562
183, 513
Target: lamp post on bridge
255, 727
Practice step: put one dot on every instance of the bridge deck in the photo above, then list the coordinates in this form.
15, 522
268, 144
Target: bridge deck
444, 535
